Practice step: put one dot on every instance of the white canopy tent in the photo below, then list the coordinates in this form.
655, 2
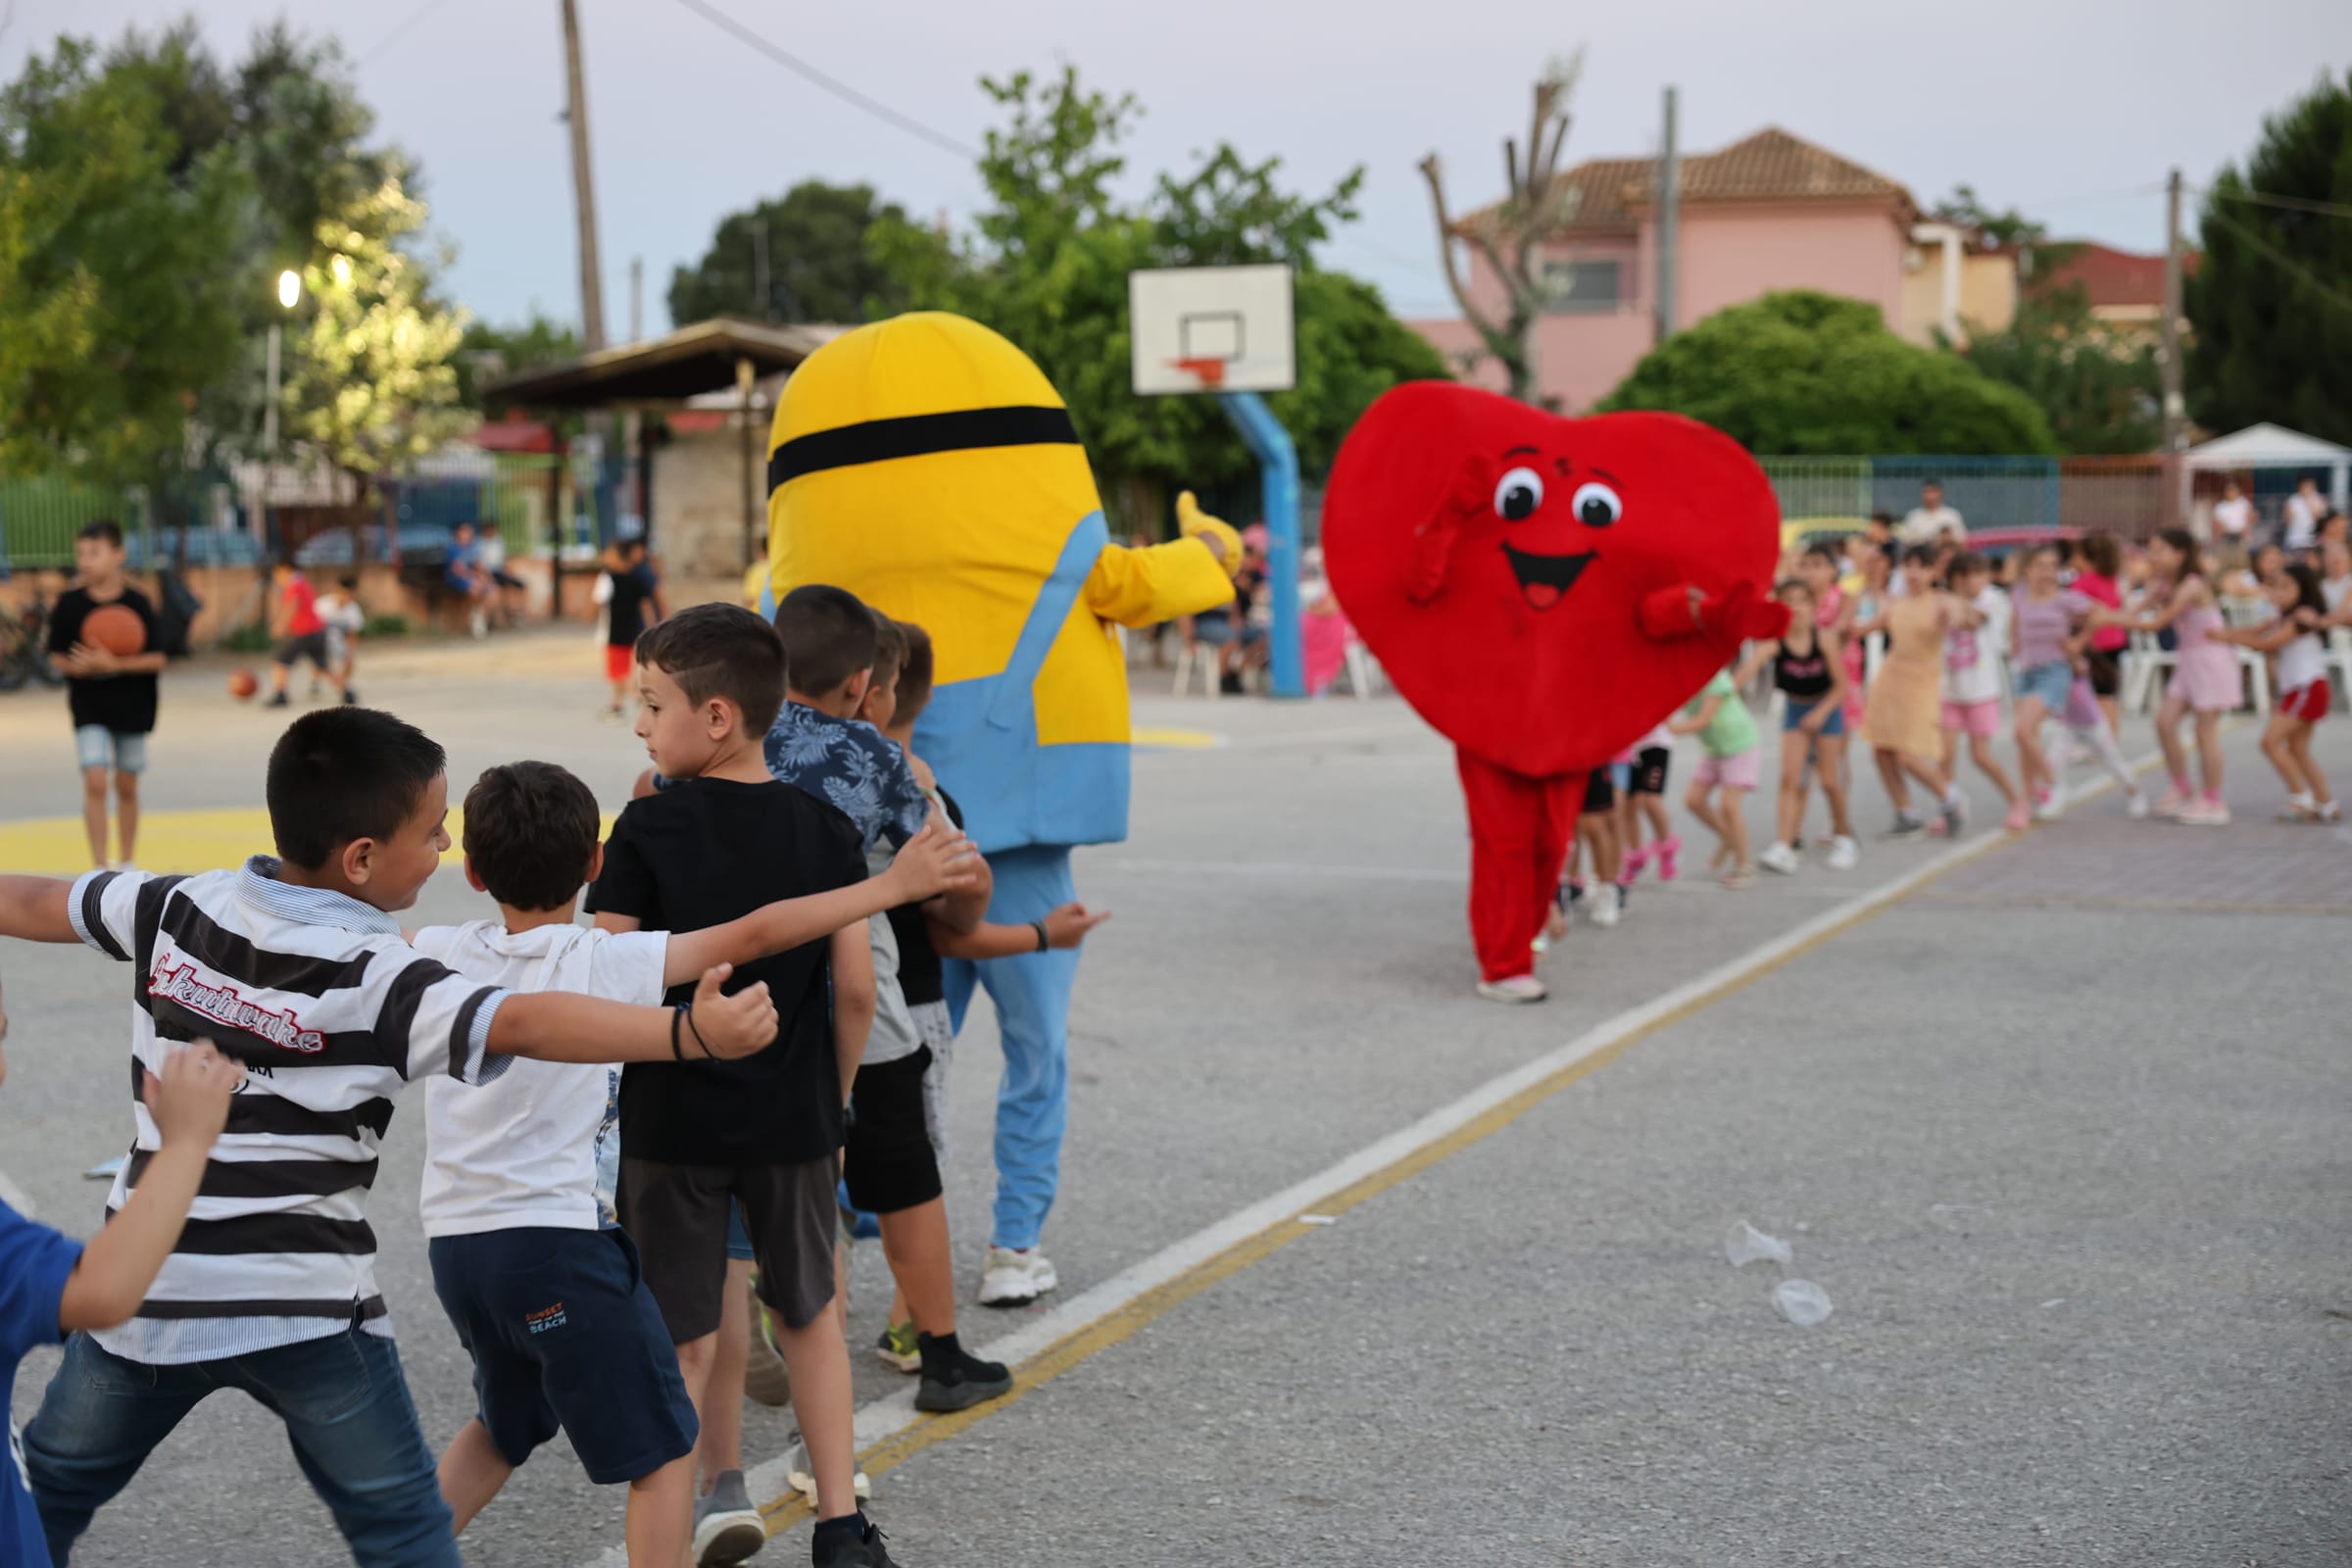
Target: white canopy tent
2275, 446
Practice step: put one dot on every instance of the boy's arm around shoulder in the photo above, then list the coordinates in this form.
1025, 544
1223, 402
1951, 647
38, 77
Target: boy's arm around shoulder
561, 1026
932, 864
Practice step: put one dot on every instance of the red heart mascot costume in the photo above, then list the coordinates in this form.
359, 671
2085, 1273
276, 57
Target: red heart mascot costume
1543, 591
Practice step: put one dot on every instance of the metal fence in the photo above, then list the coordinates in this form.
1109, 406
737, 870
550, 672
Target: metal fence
2113, 495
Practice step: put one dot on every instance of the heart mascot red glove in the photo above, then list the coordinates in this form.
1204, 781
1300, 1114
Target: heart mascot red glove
1543, 591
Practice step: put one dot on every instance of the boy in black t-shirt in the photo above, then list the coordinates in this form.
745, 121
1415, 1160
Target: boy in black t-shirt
632, 602
765, 1133
111, 696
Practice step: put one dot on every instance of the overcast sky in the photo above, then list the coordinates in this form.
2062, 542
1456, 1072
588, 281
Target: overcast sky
2069, 109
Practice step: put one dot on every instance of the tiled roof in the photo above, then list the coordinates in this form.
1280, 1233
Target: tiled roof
1608, 193
2109, 276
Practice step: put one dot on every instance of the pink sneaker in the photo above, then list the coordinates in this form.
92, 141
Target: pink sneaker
1666, 848
1634, 860
2019, 817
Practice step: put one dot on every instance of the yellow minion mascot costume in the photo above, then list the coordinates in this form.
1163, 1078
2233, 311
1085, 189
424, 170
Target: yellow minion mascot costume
927, 465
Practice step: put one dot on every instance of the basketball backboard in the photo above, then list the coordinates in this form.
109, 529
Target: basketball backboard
1211, 329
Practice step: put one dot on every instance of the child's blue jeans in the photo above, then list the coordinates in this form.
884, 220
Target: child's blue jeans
346, 1409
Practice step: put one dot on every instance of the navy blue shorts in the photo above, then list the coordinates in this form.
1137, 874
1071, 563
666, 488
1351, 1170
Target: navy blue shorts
565, 1335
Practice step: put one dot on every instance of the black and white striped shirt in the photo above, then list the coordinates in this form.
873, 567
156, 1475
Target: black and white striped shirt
329, 1012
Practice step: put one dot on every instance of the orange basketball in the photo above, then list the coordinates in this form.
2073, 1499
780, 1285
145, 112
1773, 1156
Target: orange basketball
242, 684
117, 629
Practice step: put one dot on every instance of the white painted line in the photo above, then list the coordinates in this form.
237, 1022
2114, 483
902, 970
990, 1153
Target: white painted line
1280, 868
887, 1417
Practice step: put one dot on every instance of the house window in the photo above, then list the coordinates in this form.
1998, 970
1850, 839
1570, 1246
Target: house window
1584, 288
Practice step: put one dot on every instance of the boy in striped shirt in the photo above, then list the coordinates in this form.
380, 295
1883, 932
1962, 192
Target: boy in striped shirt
294, 965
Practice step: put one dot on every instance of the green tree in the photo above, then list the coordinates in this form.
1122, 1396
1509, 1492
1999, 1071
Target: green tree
1047, 263
377, 378
1801, 372
486, 353
117, 268
2100, 388
816, 265
1994, 226
2270, 299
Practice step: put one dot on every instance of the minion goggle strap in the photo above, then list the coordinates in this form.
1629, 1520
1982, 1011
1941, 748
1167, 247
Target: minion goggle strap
914, 435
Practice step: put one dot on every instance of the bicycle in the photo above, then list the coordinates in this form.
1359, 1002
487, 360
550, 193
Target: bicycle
24, 647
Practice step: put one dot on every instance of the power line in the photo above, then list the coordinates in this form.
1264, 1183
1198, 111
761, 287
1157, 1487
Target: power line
400, 32
2325, 290
2263, 198
838, 88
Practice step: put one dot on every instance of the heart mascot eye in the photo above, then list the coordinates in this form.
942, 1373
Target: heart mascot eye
1517, 494
1595, 505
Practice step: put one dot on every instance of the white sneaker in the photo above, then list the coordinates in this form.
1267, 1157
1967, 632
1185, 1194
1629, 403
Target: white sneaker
797, 1477
2136, 805
1778, 857
2206, 814
1519, 988
1843, 853
2050, 807
727, 1527
1015, 1277
1606, 904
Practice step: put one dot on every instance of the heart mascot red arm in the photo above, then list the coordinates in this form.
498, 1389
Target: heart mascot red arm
1543, 591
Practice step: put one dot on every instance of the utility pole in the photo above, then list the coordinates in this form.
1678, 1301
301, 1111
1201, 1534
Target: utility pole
636, 298
583, 184
2175, 409
760, 306
1670, 221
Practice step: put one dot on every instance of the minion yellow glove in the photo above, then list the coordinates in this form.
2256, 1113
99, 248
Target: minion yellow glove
1223, 541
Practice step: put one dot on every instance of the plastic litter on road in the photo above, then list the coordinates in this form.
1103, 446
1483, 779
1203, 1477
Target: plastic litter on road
1747, 1244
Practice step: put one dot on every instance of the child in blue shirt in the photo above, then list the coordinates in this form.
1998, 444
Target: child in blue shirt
50, 1285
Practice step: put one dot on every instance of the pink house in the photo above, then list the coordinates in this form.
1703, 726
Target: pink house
1772, 211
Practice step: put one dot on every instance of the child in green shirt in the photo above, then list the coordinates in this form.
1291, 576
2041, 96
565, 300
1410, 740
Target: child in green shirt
1731, 765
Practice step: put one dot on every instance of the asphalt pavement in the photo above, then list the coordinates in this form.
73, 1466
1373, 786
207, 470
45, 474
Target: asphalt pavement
2061, 1131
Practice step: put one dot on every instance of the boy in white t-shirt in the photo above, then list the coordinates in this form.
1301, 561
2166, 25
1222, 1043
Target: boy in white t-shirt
1972, 674
539, 1281
345, 617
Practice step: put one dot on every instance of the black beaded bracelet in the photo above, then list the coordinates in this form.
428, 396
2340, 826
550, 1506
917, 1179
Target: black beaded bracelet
677, 1015
707, 1054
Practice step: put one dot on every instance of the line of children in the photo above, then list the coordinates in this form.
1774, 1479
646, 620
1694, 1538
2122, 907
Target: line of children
295, 966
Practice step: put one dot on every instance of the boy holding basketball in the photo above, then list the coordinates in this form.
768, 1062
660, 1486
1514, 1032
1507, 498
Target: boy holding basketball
100, 634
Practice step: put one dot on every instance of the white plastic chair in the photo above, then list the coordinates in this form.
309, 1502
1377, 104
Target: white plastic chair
2256, 669
2143, 661
1364, 671
2340, 655
1200, 658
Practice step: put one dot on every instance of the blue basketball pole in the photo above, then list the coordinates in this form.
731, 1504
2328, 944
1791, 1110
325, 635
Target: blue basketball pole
1278, 481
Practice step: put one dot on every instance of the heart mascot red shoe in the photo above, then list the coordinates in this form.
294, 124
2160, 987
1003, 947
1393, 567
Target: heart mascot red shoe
1543, 591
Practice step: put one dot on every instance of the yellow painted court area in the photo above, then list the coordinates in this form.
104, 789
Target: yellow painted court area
169, 841
1176, 740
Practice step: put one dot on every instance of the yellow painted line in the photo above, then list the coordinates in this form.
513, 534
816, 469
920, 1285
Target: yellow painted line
169, 841
1127, 1320
1154, 738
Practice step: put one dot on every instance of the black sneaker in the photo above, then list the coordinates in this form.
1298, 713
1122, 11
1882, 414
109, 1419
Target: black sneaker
841, 1548
954, 1379
1955, 817
350, 699
1905, 827
278, 699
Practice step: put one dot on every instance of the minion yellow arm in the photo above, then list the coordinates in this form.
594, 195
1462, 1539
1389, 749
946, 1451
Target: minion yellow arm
1159, 582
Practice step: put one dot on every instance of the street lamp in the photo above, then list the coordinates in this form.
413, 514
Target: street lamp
289, 293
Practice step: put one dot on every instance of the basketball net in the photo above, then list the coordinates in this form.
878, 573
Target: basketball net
1210, 373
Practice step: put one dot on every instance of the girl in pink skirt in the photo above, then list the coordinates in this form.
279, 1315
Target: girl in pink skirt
2205, 675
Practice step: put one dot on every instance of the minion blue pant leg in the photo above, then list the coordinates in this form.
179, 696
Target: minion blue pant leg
1031, 996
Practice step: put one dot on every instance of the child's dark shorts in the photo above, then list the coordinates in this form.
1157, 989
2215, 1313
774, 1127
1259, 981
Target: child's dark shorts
889, 1162
680, 1215
1649, 771
563, 1333
1600, 792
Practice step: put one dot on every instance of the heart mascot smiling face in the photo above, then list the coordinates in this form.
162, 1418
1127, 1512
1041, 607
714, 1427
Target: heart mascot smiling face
1543, 591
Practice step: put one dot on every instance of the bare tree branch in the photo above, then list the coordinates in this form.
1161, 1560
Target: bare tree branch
1433, 172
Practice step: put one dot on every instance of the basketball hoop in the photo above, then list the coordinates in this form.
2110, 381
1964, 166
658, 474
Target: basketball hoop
1210, 373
